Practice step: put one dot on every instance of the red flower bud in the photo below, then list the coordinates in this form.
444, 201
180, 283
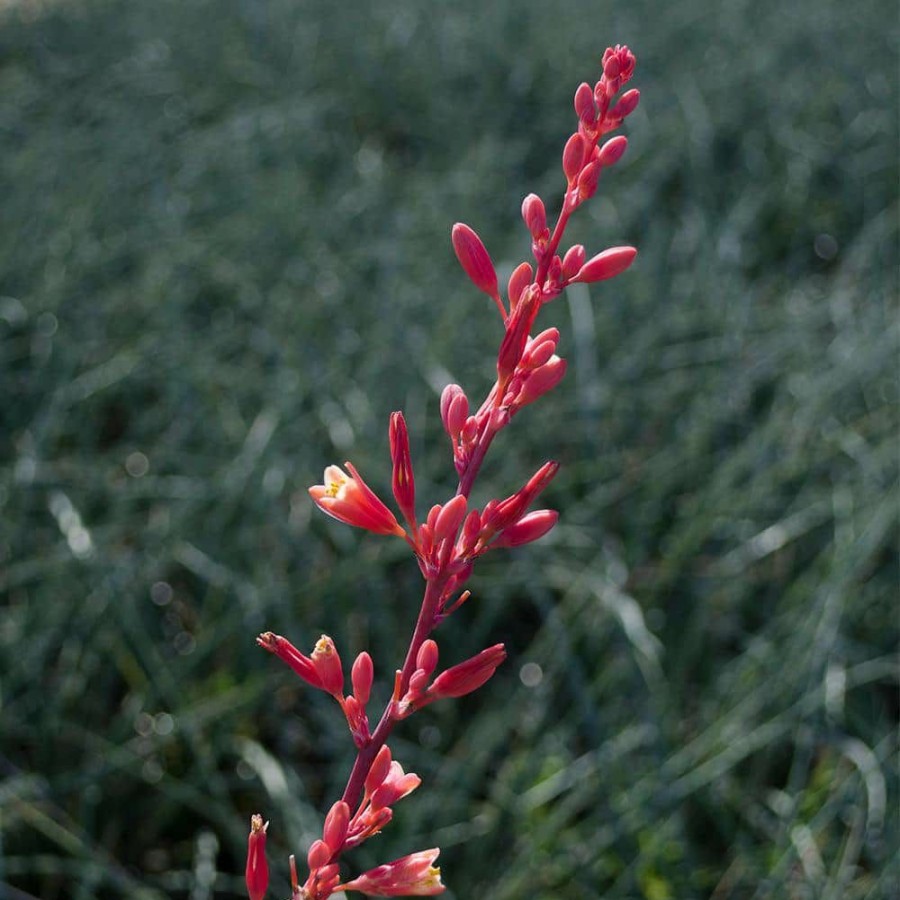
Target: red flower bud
467, 676
337, 823
328, 666
573, 156
584, 105
535, 215
518, 281
541, 380
607, 264
257, 874
529, 528
587, 181
318, 856
627, 104
378, 770
362, 675
611, 152
454, 409
427, 657
474, 259
572, 261
403, 482
450, 518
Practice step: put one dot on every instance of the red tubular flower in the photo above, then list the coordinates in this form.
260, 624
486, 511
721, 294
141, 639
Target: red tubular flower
403, 482
573, 156
257, 874
410, 876
467, 676
287, 652
349, 499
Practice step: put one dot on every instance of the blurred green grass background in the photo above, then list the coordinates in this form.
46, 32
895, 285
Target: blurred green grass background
225, 259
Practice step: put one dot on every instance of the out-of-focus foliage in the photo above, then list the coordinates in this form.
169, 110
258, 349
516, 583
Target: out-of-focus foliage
225, 259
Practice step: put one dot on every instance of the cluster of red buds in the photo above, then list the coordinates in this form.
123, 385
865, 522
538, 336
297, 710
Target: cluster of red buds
453, 534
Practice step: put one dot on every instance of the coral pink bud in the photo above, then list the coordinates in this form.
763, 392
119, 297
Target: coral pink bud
584, 104
450, 518
529, 528
427, 657
627, 104
541, 380
470, 429
328, 666
535, 215
378, 771
450, 394
607, 264
337, 823
518, 281
362, 675
410, 876
467, 676
403, 481
349, 499
318, 856
587, 180
257, 874
611, 152
537, 353
573, 156
517, 328
572, 261
474, 259
611, 67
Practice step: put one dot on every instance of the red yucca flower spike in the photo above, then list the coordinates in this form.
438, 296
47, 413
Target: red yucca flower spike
457, 531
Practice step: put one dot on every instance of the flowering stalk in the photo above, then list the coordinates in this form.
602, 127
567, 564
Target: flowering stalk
454, 534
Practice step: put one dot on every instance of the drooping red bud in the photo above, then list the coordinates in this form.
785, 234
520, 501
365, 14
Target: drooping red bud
607, 264
474, 259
